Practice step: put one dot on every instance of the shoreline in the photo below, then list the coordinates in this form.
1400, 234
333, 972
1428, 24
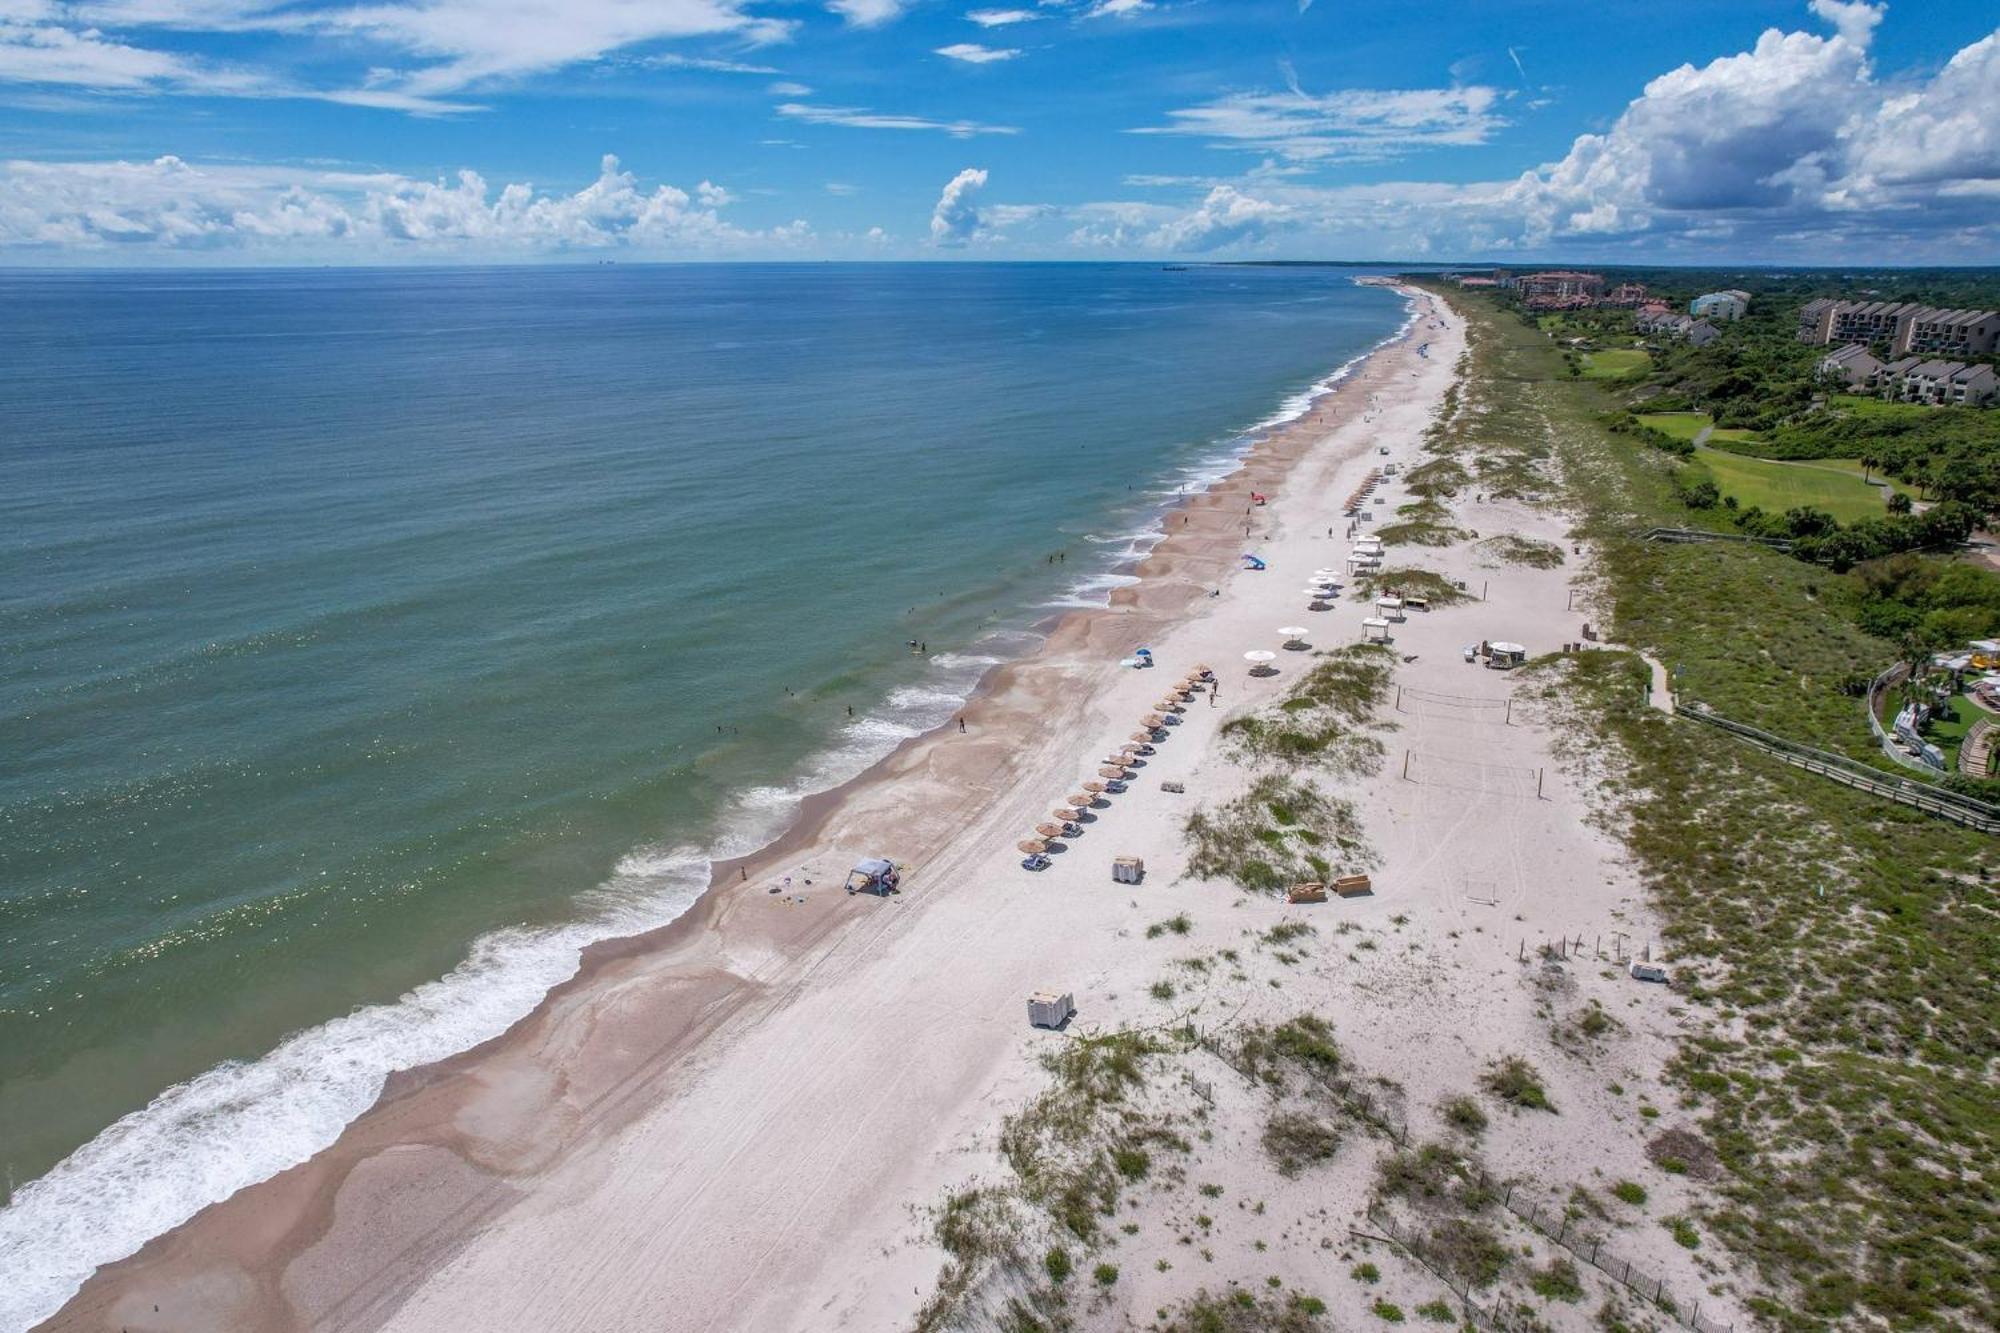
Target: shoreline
722, 963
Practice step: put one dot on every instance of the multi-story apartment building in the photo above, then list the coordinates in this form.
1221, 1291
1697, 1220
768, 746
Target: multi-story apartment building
1731, 304
1906, 326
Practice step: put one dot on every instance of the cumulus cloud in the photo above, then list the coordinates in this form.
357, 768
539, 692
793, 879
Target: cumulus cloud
972, 53
1797, 148
172, 205
955, 220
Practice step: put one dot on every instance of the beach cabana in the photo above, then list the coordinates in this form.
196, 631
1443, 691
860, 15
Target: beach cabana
1260, 660
1504, 656
1375, 630
1389, 607
873, 874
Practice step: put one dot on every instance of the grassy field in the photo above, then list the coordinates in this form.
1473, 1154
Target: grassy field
1776, 487
1687, 425
1836, 953
1615, 363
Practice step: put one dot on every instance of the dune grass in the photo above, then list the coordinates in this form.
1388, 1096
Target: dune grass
1836, 953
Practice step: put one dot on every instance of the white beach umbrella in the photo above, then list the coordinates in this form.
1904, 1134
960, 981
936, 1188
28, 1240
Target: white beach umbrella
1292, 631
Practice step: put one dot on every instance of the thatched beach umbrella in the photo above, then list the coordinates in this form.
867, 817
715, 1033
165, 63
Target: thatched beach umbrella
1032, 846
1067, 814
1153, 720
1049, 830
1142, 737
1113, 773
1094, 788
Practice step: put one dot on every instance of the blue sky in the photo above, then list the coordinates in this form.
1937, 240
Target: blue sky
278, 131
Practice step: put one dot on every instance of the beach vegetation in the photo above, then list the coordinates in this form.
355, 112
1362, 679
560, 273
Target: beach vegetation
1329, 719
1463, 1114
1365, 1273
1438, 477
1104, 1275
1510, 548
1629, 1191
1469, 1250
1557, 1282
1058, 1265
1437, 1312
1840, 1058
1295, 1140
1406, 581
1514, 1081
1282, 831
1177, 924
1423, 522
1243, 1310
1433, 1177
1387, 1311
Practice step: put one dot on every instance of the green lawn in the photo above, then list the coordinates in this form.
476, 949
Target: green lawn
1680, 425
1614, 363
1776, 487
1687, 425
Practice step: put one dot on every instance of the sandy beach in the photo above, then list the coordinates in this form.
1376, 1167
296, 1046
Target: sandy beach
737, 1122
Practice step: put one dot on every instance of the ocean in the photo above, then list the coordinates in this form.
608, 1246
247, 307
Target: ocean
370, 641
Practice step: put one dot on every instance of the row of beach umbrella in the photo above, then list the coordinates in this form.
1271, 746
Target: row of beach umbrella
1117, 765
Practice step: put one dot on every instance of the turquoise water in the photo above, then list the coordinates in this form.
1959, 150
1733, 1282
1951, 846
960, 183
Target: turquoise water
373, 640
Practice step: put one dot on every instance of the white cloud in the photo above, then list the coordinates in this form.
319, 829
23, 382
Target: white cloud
867, 13
789, 89
1795, 148
972, 53
955, 220
860, 118
1117, 8
1854, 20
1000, 18
447, 46
172, 205
669, 60
1361, 124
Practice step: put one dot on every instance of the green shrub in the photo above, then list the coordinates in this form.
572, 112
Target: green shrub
1057, 1262
1104, 1274
1366, 1273
1516, 1082
1629, 1191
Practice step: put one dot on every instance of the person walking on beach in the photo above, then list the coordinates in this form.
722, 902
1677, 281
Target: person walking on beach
961, 726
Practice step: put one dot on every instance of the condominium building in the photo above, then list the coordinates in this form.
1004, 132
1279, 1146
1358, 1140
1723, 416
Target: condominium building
1957, 332
1853, 365
1559, 288
1720, 305
1905, 325
1939, 383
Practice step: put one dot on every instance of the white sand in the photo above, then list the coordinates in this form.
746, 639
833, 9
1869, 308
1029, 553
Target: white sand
775, 1180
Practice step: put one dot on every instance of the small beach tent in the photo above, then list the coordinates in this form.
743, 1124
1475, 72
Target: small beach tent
1374, 629
1127, 869
873, 874
1255, 562
1390, 608
1050, 1009
1505, 656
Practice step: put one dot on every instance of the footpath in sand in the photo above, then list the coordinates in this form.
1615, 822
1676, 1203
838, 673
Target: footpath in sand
738, 1122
